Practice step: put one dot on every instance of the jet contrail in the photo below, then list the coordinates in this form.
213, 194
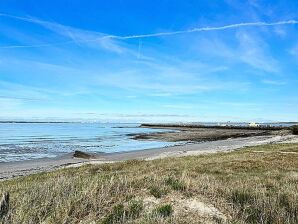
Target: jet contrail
202, 29
18, 98
194, 30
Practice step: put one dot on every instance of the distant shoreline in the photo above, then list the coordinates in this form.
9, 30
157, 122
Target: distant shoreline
38, 122
194, 124
200, 133
265, 126
63, 122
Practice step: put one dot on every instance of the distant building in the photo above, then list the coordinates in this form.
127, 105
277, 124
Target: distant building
253, 124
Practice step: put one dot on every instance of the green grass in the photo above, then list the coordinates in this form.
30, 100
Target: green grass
120, 213
175, 184
251, 185
157, 191
164, 210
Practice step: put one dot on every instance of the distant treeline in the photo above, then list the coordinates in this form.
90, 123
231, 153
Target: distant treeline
260, 127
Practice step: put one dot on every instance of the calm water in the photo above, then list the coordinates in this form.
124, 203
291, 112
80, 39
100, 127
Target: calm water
33, 140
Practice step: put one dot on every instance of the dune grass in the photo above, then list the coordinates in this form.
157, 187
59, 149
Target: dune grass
251, 185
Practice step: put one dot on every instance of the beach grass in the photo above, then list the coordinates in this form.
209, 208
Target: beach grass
252, 185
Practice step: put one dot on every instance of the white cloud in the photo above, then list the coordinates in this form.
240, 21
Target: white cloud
179, 106
274, 82
166, 80
248, 48
294, 50
9, 103
13, 91
253, 52
280, 31
76, 36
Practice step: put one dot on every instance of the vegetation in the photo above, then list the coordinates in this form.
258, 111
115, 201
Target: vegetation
119, 213
251, 185
157, 191
164, 210
175, 184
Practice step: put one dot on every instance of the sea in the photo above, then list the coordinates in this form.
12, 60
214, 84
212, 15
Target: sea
27, 141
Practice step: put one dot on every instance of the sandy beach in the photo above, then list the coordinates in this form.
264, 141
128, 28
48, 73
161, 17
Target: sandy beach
16, 169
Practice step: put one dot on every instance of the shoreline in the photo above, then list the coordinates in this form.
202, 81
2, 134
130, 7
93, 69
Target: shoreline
218, 126
199, 133
9, 170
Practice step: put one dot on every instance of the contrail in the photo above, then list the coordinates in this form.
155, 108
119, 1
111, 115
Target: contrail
202, 29
161, 34
18, 17
18, 98
37, 45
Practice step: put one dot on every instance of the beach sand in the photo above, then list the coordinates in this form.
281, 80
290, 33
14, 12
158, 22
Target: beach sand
16, 169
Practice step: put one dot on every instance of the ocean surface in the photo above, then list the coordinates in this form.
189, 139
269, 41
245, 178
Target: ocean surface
26, 141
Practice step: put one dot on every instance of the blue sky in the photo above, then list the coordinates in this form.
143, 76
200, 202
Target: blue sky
149, 60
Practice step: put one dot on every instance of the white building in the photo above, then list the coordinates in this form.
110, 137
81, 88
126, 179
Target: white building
253, 124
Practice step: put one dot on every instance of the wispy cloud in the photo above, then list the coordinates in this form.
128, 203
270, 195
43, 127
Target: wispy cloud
274, 82
76, 35
253, 52
13, 91
245, 47
294, 50
179, 106
18, 98
172, 79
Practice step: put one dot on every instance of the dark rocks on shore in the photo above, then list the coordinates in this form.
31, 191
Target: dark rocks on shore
295, 130
82, 155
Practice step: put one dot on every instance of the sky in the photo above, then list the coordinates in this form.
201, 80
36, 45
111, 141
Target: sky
149, 61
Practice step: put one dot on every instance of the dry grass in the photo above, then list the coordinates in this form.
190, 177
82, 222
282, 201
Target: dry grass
252, 185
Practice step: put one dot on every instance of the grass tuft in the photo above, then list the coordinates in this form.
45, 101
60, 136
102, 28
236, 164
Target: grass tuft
175, 184
116, 216
135, 209
157, 192
241, 197
164, 210
120, 213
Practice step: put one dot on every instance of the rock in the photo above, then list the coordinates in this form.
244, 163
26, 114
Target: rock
82, 155
295, 130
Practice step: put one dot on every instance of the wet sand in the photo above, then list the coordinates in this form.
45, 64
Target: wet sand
16, 169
